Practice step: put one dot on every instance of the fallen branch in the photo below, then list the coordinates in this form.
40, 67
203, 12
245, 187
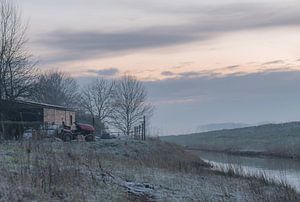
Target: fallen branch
140, 190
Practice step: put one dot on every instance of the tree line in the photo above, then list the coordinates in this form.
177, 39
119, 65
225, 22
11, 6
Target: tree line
121, 103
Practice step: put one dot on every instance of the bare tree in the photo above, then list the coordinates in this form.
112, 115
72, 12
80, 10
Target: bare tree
97, 99
57, 88
16, 65
130, 104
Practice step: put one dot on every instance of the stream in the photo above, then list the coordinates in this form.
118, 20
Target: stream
280, 169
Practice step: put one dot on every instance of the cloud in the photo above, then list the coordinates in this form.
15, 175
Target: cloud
168, 73
264, 84
184, 100
182, 64
274, 62
247, 98
90, 44
204, 73
205, 22
234, 70
232, 66
189, 74
104, 72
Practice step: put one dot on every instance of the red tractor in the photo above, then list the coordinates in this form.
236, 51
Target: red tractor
85, 130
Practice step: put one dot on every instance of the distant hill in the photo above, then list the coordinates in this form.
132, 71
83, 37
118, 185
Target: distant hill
269, 139
221, 126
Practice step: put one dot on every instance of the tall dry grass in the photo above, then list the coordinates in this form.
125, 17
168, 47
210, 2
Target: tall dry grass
42, 172
45, 171
257, 183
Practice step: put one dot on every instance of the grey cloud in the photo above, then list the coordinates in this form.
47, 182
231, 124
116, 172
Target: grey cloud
90, 44
182, 64
273, 62
232, 66
182, 74
104, 72
189, 74
264, 84
205, 24
280, 69
248, 98
213, 7
167, 73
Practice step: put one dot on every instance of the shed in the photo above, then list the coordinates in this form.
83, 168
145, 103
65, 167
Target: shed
28, 111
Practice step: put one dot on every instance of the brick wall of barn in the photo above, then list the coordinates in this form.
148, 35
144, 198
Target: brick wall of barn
58, 116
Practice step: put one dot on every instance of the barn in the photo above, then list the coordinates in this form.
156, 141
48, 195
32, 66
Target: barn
27, 111
18, 116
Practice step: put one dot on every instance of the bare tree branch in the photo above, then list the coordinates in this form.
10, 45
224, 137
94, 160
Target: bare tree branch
55, 87
97, 99
17, 72
130, 104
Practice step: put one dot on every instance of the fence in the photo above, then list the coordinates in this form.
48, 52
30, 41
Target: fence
140, 130
14, 130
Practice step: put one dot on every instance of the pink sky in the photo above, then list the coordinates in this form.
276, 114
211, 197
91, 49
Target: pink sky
165, 40
206, 36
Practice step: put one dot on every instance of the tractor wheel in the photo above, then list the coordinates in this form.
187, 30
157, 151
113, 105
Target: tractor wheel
89, 138
67, 138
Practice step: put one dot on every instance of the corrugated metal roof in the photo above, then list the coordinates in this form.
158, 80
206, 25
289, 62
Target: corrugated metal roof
37, 104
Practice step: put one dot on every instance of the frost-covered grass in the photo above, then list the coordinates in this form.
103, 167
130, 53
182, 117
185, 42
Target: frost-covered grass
80, 171
257, 180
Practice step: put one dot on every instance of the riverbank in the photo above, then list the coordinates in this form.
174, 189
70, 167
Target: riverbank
122, 170
259, 154
275, 140
274, 168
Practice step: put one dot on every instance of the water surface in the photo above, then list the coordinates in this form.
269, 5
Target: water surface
284, 169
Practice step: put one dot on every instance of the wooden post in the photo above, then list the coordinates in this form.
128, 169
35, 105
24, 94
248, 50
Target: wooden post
143, 131
139, 131
134, 132
20, 127
2, 125
144, 128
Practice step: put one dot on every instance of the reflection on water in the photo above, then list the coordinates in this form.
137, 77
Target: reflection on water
287, 170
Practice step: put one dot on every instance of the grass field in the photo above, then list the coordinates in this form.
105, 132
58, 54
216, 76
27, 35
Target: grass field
271, 139
121, 170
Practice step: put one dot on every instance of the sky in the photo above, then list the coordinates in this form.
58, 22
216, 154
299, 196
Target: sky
202, 61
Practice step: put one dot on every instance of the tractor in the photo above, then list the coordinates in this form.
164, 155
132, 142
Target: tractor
85, 130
